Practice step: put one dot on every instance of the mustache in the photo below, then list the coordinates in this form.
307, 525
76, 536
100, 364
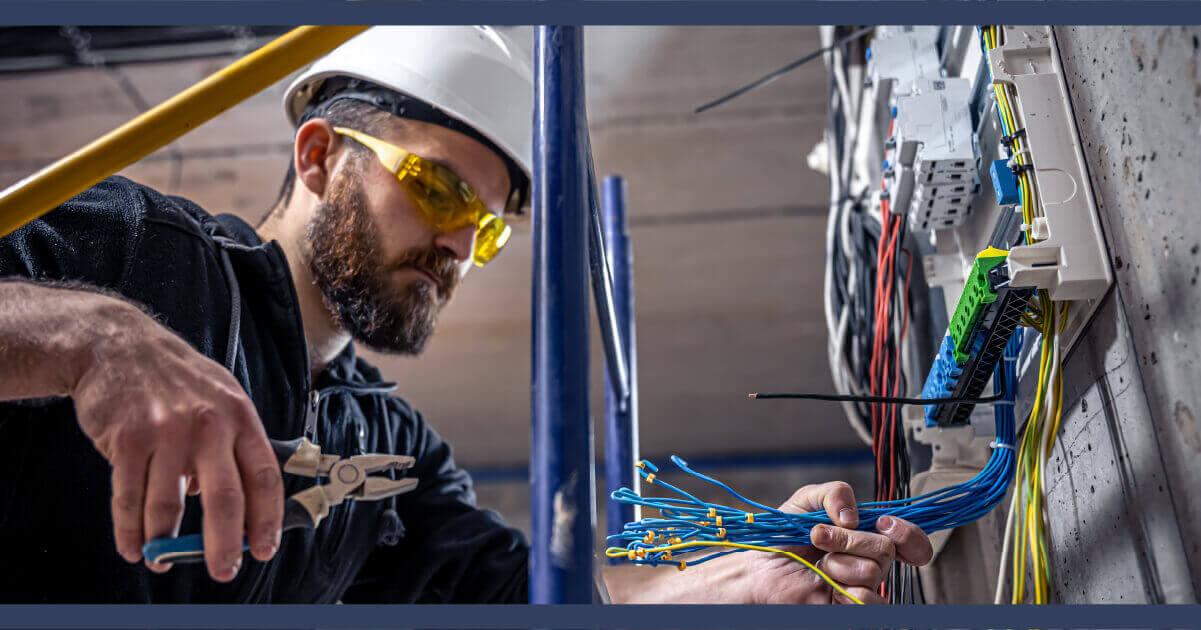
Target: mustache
442, 266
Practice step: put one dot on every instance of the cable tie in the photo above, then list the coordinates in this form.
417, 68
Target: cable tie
1013, 136
996, 444
750, 518
683, 564
717, 521
712, 512
721, 532
1021, 168
650, 478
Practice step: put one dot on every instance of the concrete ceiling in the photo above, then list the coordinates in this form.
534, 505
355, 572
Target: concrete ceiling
727, 224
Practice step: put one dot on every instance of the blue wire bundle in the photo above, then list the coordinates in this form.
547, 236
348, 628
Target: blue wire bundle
690, 519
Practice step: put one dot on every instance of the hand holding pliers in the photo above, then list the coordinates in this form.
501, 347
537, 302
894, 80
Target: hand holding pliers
348, 478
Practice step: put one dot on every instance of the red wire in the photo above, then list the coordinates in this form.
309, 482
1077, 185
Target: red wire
896, 383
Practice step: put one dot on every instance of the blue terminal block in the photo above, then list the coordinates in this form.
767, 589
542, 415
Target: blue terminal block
1004, 183
944, 373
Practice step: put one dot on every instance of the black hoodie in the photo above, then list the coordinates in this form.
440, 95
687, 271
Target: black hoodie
170, 256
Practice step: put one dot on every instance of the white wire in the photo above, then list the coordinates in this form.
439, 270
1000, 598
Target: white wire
1008, 539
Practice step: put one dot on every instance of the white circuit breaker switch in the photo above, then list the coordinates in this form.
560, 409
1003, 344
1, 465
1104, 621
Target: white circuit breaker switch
1071, 262
934, 134
902, 58
934, 127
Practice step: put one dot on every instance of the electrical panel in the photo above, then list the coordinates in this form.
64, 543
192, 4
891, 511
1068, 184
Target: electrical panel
999, 210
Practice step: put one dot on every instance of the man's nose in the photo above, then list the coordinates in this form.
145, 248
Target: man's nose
459, 243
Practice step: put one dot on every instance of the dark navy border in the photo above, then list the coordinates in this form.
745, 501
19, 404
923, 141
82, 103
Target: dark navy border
573, 617
614, 12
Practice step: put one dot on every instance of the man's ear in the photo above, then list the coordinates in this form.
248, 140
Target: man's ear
313, 154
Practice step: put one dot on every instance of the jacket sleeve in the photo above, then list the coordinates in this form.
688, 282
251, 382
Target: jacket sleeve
90, 239
451, 550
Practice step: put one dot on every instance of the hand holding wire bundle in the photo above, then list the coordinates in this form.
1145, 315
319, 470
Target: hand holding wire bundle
820, 526
687, 524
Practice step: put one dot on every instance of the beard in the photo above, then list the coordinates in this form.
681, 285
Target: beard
357, 284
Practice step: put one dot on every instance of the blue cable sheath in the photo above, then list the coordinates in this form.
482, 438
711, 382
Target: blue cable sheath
689, 517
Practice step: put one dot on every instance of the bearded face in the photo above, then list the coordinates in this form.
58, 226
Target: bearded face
360, 288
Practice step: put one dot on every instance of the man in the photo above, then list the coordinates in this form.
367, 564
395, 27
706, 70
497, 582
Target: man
138, 331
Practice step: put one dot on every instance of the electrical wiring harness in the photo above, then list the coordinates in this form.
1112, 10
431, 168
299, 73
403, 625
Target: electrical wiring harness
1025, 525
686, 524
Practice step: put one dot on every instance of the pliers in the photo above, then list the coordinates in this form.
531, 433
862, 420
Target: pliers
348, 479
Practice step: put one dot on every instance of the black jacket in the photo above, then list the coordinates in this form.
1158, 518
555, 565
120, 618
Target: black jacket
169, 255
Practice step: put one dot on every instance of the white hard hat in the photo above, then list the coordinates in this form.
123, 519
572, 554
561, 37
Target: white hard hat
475, 74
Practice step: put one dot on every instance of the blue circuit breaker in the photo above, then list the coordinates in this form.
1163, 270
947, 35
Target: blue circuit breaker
1004, 183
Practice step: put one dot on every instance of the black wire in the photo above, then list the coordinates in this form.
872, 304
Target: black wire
879, 399
772, 76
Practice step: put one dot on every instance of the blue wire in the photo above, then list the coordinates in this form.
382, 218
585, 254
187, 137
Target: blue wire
949, 507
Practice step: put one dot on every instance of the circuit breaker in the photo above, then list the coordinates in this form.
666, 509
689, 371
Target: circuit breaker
933, 138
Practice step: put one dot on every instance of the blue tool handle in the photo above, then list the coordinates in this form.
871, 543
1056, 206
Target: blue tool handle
190, 548
182, 550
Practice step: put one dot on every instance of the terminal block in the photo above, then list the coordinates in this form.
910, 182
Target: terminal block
994, 330
977, 293
944, 374
988, 312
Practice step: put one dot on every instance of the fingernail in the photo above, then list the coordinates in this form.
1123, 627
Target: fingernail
131, 557
820, 534
885, 523
846, 515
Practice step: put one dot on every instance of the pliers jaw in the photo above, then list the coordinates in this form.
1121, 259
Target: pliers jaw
348, 479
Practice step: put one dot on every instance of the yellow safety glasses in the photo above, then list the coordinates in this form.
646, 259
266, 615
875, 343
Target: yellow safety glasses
447, 202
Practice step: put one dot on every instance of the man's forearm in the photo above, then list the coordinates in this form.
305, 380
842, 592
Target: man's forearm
702, 584
48, 334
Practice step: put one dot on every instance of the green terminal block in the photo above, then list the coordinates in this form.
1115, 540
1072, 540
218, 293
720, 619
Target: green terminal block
976, 293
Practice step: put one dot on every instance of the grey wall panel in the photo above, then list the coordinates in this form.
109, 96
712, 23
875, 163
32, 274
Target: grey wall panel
1137, 98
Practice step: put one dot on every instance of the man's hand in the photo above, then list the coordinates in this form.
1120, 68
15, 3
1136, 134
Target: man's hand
165, 417
857, 560
168, 418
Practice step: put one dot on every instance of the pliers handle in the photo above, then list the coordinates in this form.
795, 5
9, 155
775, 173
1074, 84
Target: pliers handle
348, 479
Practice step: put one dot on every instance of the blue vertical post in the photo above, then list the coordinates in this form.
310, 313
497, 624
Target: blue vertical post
621, 421
561, 472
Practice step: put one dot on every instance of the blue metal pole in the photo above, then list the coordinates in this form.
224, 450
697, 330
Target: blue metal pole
602, 291
621, 420
561, 471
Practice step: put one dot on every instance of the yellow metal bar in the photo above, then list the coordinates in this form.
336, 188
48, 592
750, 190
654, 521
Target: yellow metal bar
47, 189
